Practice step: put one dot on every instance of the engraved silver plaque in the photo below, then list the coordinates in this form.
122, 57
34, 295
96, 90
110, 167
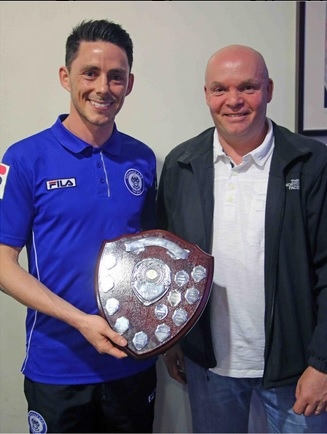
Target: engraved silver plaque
152, 287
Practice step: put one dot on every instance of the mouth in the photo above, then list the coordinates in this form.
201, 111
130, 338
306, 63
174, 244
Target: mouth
235, 115
101, 105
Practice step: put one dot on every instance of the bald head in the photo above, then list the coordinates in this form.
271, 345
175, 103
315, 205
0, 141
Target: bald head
238, 89
236, 54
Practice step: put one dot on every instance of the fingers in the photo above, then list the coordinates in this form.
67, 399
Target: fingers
117, 339
311, 393
112, 343
321, 408
181, 377
116, 352
105, 340
106, 346
310, 409
174, 362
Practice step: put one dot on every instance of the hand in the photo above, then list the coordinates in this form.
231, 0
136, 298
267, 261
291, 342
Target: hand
311, 393
98, 332
174, 361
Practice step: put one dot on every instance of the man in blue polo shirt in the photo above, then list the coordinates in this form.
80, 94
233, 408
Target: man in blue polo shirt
63, 192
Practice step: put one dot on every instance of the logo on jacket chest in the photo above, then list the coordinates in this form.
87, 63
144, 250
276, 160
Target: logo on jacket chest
293, 184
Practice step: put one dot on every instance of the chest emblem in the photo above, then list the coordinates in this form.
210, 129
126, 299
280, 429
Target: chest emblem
294, 184
61, 183
134, 181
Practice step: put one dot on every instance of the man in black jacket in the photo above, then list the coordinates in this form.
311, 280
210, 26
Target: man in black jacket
253, 194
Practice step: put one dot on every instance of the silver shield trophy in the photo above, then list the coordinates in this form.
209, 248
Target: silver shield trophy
152, 287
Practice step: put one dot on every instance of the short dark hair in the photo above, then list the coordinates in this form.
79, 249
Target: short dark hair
98, 30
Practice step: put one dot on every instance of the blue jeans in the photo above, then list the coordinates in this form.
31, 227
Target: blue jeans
222, 405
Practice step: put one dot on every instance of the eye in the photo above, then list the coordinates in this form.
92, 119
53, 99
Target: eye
90, 74
117, 77
248, 89
218, 90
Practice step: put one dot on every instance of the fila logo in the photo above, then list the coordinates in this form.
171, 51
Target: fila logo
61, 183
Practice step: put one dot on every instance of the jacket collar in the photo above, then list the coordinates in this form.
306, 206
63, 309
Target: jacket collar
199, 147
287, 146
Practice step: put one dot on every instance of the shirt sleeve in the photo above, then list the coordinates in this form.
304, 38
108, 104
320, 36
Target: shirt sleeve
16, 205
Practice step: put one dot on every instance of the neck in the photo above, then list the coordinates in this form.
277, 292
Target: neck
94, 135
236, 148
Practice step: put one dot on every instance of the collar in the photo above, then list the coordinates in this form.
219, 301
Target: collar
259, 155
76, 145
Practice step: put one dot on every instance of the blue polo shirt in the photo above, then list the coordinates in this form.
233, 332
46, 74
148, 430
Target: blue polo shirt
61, 198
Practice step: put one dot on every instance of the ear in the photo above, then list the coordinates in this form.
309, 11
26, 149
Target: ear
206, 94
130, 84
64, 77
270, 90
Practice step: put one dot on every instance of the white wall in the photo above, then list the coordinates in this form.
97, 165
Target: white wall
173, 41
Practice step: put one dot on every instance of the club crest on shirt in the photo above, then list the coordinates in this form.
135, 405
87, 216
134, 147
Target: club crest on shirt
4, 170
36, 423
134, 181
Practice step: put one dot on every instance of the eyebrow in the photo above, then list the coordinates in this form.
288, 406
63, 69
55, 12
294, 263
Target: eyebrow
250, 81
97, 68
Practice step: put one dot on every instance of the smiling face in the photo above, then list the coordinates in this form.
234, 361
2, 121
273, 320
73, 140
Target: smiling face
98, 80
237, 90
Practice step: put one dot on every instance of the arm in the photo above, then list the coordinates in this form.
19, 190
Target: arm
311, 391
174, 361
23, 287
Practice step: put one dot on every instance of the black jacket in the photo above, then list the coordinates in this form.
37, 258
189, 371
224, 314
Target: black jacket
295, 247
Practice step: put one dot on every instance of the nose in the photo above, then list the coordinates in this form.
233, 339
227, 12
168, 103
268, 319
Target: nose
103, 85
234, 98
